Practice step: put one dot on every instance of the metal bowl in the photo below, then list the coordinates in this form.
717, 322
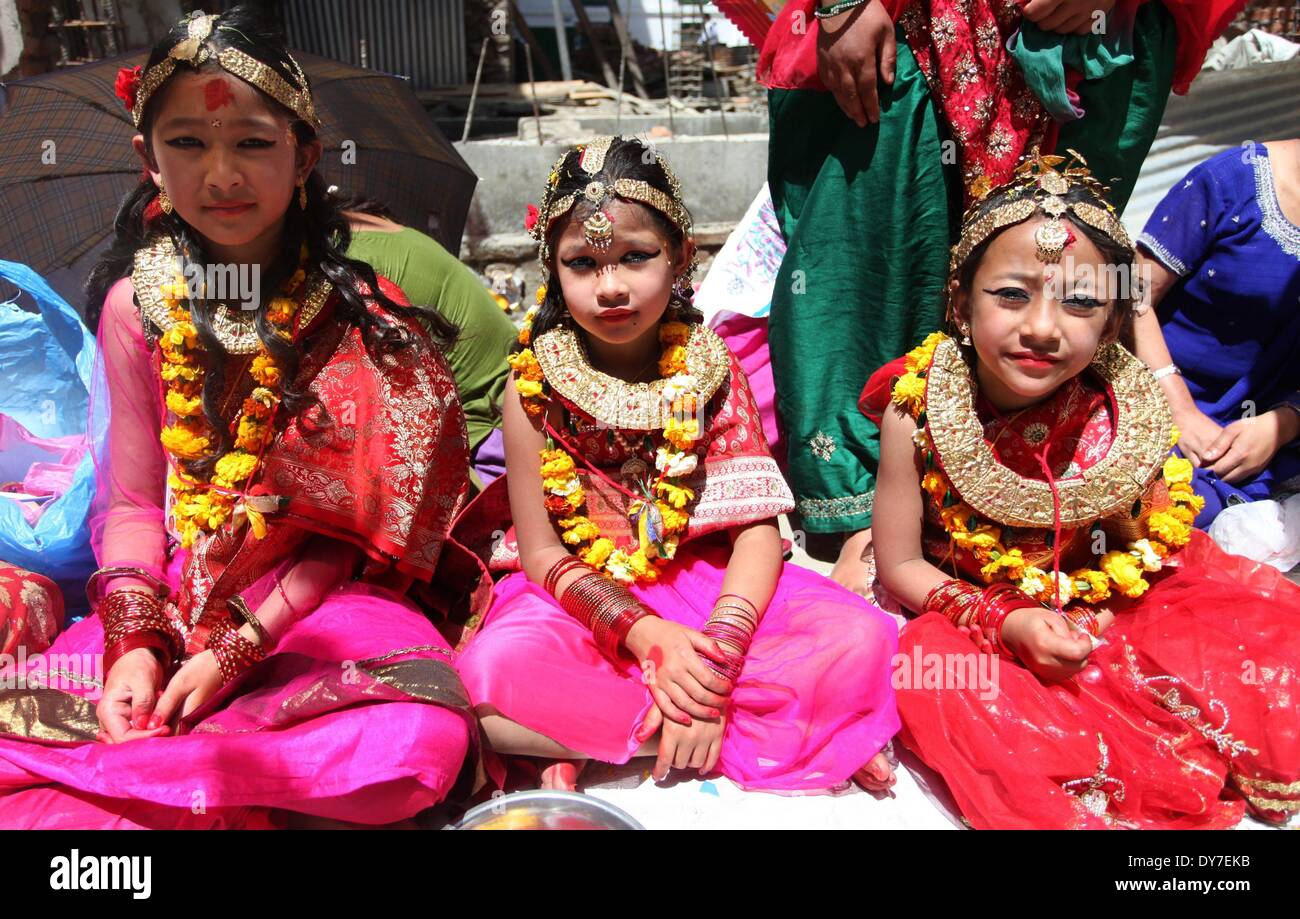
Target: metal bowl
547, 810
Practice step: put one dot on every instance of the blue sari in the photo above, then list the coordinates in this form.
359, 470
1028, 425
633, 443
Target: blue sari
1232, 322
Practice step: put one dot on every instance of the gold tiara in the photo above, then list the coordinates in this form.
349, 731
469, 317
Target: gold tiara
592, 161
195, 51
1038, 187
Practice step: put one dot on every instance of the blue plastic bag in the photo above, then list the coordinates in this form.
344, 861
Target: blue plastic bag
46, 364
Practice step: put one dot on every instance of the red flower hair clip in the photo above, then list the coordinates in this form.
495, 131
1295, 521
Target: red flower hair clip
531, 220
127, 85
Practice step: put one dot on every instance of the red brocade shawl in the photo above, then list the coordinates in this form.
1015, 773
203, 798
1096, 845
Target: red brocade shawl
391, 470
382, 463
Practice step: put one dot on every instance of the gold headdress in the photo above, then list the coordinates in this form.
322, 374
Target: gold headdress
598, 228
195, 50
1038, 187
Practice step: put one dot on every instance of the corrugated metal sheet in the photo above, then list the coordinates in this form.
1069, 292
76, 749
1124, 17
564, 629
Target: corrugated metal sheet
423, 40
1222, 110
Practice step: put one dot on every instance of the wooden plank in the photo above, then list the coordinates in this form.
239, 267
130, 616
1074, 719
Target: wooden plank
628, 51
585, 24
539, 54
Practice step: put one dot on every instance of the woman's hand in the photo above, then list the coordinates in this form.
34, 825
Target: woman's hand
195, 683
1045, 643
681, 685
1068, 16
126, 709
1245, 447
1196, 432
851, 48
694, 746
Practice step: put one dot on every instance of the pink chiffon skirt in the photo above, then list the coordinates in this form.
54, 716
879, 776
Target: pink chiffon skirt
356, 717
813, 704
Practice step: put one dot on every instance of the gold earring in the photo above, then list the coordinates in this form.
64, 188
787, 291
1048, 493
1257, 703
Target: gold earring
965, 334
164, 202
302, 195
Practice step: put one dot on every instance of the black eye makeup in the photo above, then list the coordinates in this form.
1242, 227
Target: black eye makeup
193, 143
631, 257
1017, 294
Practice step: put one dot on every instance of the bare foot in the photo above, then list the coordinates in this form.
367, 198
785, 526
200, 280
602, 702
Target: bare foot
877, 774
854, 568
562, 775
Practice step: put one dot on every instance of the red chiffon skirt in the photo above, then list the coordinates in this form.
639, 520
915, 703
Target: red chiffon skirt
1186, 717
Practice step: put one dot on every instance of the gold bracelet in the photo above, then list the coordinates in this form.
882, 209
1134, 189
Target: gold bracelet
240, 606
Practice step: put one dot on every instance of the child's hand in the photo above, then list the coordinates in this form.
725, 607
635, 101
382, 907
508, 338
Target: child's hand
696, 746
1045, 643
681, 685
126, 708
197, 681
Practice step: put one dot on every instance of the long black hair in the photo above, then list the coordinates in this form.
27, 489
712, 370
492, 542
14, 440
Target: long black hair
321, 227
627, 158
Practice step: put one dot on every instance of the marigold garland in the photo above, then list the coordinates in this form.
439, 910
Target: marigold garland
1122, 571
201, 505
660, 516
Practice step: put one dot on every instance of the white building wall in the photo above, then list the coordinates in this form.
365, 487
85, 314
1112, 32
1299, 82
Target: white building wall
643, 20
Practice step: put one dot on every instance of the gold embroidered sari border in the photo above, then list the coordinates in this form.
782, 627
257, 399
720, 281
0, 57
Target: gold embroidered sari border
1249, 784
622, 405
1143, 425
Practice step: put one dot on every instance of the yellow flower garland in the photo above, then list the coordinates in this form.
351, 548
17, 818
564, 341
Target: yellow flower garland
1123, 571
198, 505
662, 516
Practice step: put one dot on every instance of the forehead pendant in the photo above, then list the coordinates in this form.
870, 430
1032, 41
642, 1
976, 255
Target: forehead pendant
598, 229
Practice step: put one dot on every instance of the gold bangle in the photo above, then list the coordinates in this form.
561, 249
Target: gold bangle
240, 606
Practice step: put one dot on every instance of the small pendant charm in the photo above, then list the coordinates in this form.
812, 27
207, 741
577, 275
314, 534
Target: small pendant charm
635, 469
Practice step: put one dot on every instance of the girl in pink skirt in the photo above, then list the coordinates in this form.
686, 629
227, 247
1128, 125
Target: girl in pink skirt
649, 611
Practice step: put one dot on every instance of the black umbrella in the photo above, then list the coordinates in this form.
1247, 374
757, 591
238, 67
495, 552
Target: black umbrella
66, 160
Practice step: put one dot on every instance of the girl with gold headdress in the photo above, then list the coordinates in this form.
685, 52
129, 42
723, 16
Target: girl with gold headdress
653, 614
283, 459
888, 116
1144, 678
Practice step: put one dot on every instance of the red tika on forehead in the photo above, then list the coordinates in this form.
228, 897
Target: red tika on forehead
217, 93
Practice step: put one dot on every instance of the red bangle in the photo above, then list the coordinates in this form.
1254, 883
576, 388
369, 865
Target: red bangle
1085, 619
151, 640
953, 599
128, 613
998, 602
608, 609
623, 624
234, 652
557, 571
